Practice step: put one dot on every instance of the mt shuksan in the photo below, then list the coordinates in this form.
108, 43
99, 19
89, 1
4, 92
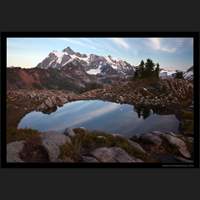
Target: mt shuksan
92, 64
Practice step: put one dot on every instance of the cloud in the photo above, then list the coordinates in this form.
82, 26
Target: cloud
71, 40
169, 50
79, 41
155, 43
121, 42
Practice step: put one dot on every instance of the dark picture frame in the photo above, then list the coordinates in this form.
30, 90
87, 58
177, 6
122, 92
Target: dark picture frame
194, 35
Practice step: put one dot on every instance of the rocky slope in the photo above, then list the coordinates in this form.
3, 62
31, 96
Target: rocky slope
165, 93
81, 145
72, 78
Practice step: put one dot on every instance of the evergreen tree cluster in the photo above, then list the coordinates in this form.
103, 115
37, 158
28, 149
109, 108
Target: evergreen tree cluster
179, 75
147, 70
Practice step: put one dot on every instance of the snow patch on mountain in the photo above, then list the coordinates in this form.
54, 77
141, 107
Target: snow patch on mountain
189, 74
92, 64
94, 71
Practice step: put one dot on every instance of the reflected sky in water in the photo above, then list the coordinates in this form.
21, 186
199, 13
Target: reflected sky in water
99, 115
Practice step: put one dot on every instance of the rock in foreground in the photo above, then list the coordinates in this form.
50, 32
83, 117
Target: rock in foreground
82, 145
113, 154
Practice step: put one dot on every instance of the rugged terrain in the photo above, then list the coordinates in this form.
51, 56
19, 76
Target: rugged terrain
72, 78
69, 76
162, 95
92, 64
69, 70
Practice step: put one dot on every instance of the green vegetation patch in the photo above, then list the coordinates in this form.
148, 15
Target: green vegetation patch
187, 121
187, 126
187, 115
84, 142
170, 148
14, 134
70, 152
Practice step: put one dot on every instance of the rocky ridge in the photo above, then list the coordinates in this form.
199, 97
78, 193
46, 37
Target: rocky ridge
73, 78
165, 93
92, 64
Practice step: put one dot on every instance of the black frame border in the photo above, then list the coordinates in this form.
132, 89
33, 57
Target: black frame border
5, 35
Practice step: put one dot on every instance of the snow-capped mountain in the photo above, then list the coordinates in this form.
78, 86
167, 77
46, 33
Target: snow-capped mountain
189, 74
92, 64
164, 73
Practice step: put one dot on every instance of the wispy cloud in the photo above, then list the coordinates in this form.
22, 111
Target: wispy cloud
74, 41
79, 41
155, 43
121, 42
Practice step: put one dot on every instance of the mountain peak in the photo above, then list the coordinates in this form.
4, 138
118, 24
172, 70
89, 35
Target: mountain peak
92, 63
69, 51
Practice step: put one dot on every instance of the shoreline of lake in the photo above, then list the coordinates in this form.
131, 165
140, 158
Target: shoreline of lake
100, 115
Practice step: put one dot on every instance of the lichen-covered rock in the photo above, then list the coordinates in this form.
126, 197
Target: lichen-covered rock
52, 142
13, 151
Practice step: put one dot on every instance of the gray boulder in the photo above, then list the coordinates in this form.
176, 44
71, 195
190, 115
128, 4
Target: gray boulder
151, 138
183, 159
121, 98
113, 154
52, 142
137, 146
13, 151
179, 144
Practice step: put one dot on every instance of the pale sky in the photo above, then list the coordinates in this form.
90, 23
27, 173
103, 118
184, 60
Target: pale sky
170, 53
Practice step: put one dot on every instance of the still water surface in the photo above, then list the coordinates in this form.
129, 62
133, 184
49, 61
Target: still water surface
100, 115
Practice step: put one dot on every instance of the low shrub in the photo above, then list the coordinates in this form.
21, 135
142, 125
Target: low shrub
84, 142
69, 151
187, 115
14, 134
187, 126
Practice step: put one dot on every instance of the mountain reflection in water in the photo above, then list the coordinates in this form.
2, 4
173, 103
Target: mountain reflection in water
106, 116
